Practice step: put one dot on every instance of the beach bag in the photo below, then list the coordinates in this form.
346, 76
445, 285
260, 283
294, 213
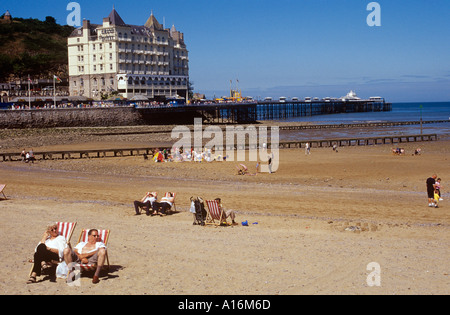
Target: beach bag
198, 205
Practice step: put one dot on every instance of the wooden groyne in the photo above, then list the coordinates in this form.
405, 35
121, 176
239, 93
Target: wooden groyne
362, 125
80, 154
360, 141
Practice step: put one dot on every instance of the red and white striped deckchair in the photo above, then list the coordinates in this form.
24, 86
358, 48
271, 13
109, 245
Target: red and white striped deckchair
215, 214
2, 187
103, 236
66, 229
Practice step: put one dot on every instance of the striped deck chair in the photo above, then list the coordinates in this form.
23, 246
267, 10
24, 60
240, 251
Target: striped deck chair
66, 229
104, 236
2, 187
215, 214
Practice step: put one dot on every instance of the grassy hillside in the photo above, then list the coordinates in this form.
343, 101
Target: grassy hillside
33, 47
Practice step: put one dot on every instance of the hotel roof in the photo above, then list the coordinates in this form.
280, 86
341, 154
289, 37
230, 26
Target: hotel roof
115, 19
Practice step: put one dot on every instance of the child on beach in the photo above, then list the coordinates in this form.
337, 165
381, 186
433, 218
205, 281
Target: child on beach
436, 198
437, 186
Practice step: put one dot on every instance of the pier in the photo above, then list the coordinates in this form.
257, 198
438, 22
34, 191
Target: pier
123, 152
273, 110
290, 109
217, 113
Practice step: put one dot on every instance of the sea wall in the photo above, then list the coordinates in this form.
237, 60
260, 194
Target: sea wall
71, 117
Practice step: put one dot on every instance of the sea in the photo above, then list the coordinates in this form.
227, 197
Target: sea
436, 111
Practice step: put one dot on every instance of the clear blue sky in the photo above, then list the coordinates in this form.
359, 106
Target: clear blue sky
294, 47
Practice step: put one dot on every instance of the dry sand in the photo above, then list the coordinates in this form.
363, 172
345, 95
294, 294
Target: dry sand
300, 244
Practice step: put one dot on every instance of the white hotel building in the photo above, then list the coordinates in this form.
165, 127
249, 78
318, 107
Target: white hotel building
133, 60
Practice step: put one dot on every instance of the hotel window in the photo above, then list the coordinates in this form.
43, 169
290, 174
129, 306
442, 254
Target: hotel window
95, 68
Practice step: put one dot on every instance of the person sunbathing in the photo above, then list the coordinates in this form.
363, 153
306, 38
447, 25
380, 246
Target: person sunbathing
49, 249
165, 205
91, 252
242, 169
145, 203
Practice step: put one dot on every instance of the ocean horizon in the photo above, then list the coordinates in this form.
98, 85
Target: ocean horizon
427, 111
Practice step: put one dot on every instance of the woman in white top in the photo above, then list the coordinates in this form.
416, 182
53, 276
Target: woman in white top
165, 204
50, 248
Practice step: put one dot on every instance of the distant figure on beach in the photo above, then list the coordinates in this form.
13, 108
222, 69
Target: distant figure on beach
335, 148
437, 186
307, 148
417, 151
145, 203
436, 198
269, 162
398, 151
430, 183
242, 169
23, 155
29, 156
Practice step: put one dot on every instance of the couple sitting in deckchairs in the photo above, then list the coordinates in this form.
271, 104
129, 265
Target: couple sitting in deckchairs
149, 201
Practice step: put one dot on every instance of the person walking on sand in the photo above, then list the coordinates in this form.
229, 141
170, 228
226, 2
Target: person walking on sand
431, 183
307, 148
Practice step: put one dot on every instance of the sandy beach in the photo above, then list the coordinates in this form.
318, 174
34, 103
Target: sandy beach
314, 225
